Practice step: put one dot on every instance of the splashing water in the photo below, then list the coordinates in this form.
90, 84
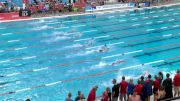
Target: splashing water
98, 66
35, 28
73, 46
80, 54
38, 22
55, 39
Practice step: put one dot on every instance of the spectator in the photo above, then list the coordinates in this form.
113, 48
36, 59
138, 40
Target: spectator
156, 86
79, 96
176, 82
167, 83
138, 88
28, 100
105, 96
115, 91
130, 87
144, 91
92, 94
1, 7
123, 88
142, 80
148, 86
109, 94
160, 77
134, 97
161, 94
82, 97
69, 97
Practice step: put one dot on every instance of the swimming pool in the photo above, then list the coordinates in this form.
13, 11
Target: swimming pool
45, 59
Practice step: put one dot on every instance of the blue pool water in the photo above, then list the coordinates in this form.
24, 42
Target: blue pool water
45, 59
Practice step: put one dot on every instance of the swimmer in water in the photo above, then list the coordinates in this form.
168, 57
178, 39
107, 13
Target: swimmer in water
117, 62
78, 35
90, 42
104, 48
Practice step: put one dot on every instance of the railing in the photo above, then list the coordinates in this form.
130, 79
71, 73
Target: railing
171, 99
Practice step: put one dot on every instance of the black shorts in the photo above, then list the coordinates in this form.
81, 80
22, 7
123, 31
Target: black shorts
155, 90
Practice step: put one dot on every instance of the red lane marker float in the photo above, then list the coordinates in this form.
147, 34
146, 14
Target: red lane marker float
39, 86
91, 75
83, 77
6, 93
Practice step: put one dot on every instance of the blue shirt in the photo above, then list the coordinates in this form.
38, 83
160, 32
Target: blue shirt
130, 88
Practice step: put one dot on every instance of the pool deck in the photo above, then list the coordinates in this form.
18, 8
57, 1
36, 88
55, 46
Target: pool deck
98, 12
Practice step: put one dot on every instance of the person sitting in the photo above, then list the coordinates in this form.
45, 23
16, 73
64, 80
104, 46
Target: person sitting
134, 97
105, 96
161, 94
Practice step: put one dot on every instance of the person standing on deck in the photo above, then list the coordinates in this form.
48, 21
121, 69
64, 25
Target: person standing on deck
176, 82
115, 90
167, 83
92, 94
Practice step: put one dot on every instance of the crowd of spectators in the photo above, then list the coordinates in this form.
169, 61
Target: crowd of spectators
142, 91
6, 7
54, 6
39, 6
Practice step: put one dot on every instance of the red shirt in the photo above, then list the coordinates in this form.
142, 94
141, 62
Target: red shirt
105, 96
26, 1
176, 80
60, 6
41, 6
138, 89
123, 87
156, 83
92, 95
